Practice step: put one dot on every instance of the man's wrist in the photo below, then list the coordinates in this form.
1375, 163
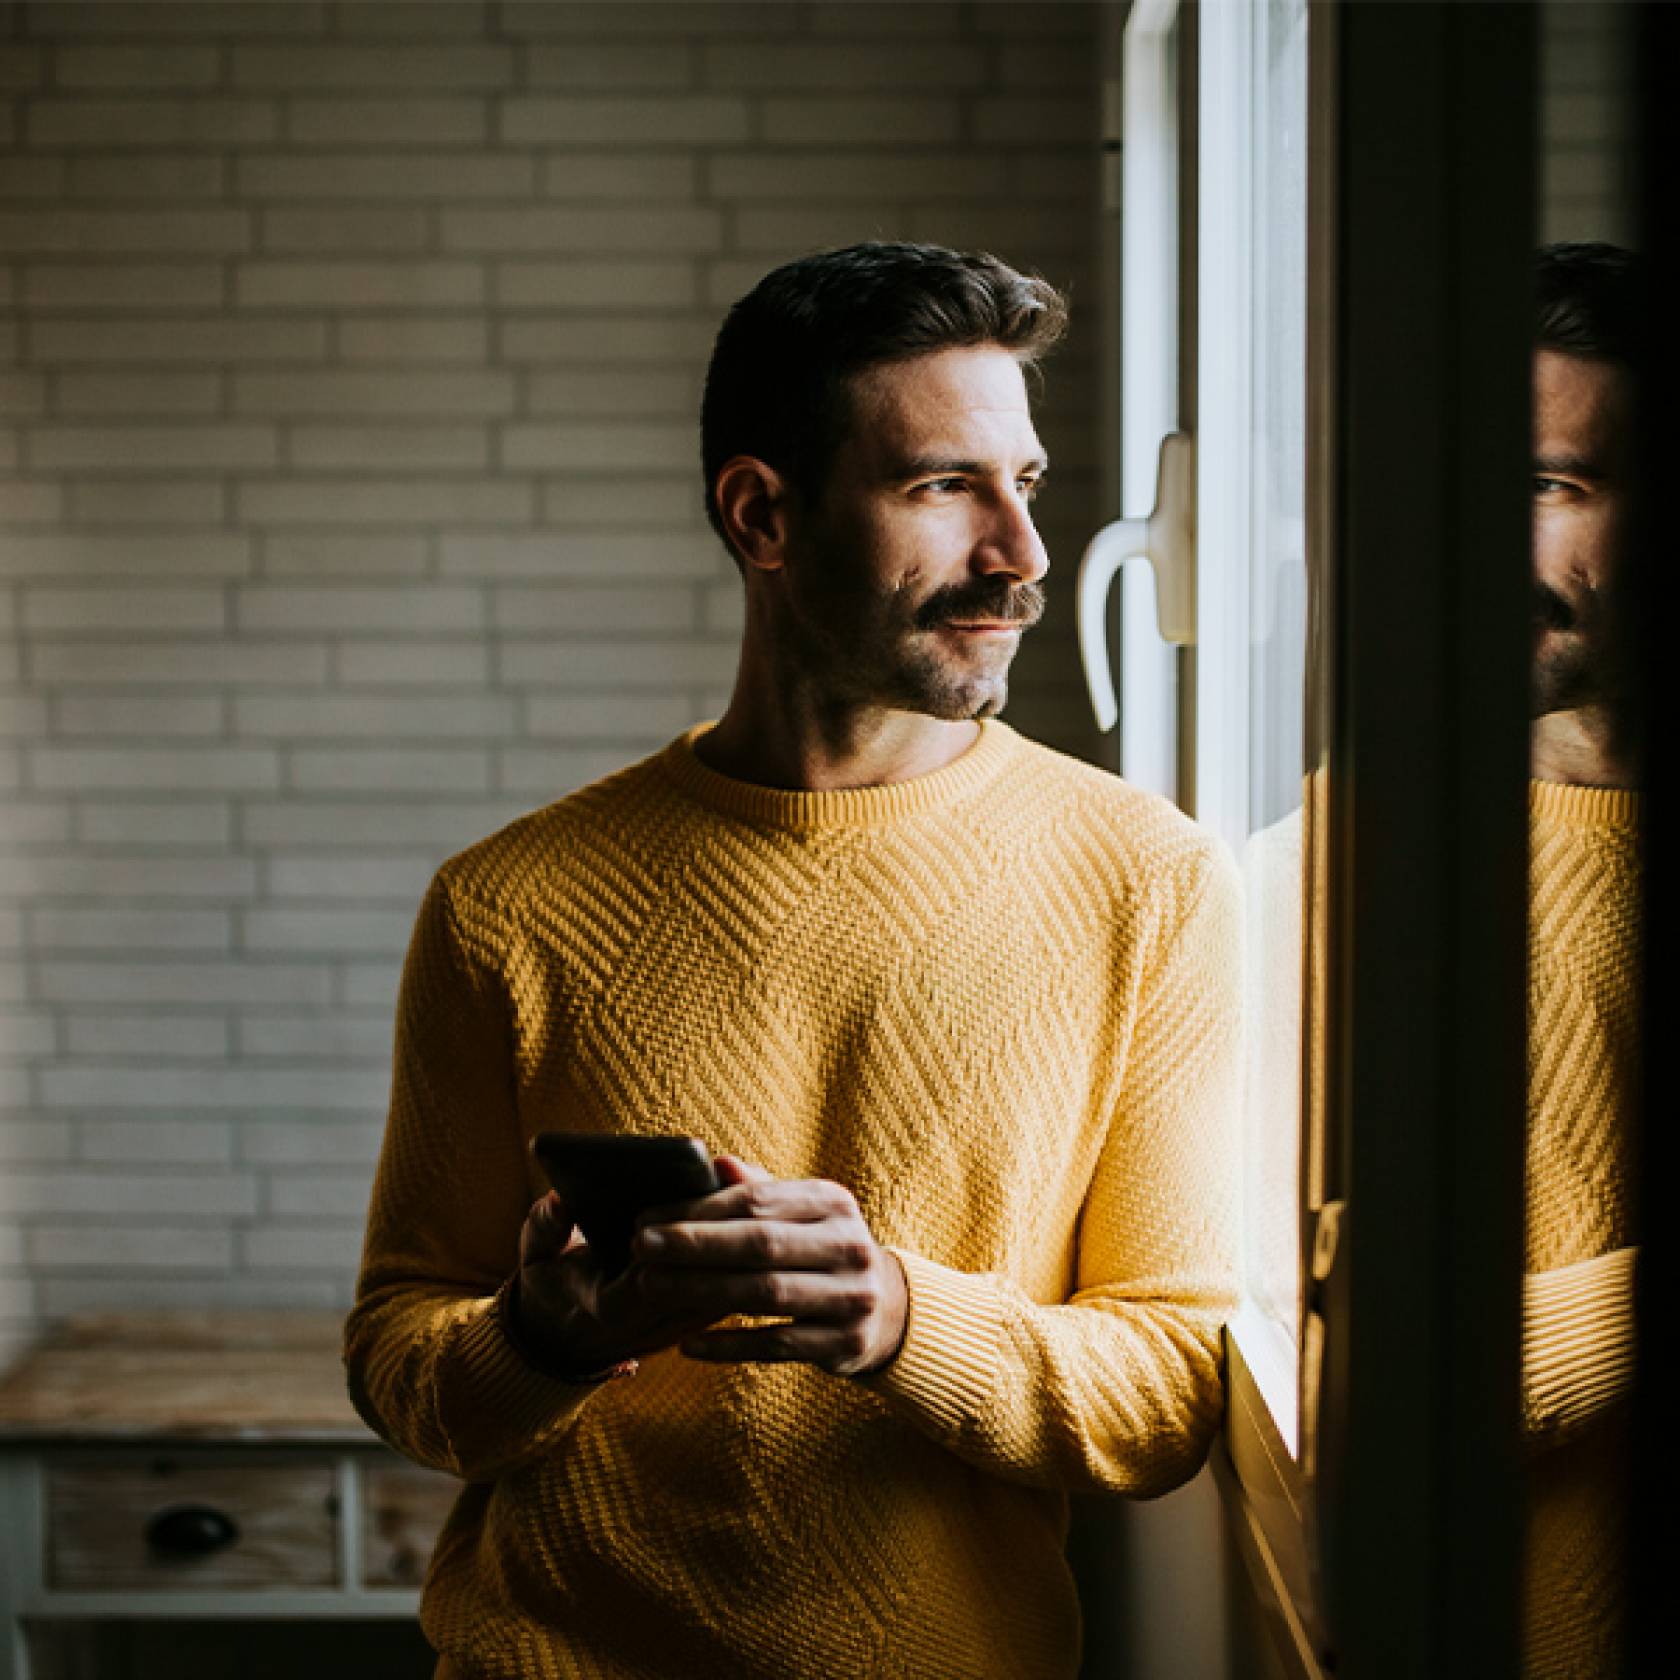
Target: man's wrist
530, 1347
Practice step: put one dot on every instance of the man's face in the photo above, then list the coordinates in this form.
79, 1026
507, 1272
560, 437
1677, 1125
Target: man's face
1582, 427
913, 576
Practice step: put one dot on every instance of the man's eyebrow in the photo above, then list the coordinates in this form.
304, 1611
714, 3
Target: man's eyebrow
935, 466
1565, 463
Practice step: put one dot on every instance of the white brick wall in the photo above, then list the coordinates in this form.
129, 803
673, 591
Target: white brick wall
349, 365
1586, 115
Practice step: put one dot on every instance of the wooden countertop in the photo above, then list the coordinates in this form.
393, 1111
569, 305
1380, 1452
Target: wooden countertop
261, 1378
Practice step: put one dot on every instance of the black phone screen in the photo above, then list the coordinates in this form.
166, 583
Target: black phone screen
606, 1181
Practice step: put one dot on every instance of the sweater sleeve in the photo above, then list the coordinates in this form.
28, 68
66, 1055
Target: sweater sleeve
1119, 1388
429, 1366
1578, 1344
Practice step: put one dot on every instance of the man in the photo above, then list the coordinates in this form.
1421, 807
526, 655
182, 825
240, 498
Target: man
955, 1013
1583, 963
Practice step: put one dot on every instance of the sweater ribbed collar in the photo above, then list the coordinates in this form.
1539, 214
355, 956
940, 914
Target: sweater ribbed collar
805, 810
1584, 807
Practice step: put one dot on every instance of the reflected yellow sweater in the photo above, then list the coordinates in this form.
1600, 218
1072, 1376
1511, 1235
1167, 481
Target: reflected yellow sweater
1578, 1302
999, 1003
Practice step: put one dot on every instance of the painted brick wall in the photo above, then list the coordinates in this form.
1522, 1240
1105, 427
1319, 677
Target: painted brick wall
349, 360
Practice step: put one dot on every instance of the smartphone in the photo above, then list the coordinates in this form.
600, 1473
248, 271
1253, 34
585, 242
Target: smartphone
607, 1180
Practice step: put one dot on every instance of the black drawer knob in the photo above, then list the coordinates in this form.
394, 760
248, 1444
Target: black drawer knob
191, 1531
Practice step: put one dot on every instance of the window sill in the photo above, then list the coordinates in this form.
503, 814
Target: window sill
1272, 1358
1264, 1492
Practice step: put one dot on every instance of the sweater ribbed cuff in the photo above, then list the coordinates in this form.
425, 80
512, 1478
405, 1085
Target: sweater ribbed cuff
507, 1312
1578, 1341
502, 1396
945, 1369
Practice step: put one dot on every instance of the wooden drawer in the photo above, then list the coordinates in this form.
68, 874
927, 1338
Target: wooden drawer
103, 1524
403, 1507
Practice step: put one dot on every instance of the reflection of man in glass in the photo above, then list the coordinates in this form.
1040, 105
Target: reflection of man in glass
1583, 954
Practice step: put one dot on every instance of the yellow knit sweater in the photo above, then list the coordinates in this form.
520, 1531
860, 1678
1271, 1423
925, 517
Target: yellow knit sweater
999, 1003
1578, 1299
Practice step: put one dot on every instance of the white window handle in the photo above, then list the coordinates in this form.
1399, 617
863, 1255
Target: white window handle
1167, 540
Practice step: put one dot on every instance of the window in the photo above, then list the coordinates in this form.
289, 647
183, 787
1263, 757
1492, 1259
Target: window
1251, 587
1361, 185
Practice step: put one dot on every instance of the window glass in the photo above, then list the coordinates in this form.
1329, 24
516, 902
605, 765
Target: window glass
1252, 606
1580, 1236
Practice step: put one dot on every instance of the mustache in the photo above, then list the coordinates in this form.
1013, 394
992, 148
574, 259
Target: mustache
1552, 610
1021, 604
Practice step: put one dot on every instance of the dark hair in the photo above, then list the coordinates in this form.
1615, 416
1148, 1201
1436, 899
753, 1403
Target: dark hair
1591, 301
777, 387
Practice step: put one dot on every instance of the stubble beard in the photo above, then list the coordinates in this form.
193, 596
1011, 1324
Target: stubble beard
931, 686
880, 660
1561, 679
1575, 680
1580, 661
862, 648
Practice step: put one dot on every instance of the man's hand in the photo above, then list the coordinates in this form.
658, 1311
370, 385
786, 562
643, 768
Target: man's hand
792, 1249
778, 1248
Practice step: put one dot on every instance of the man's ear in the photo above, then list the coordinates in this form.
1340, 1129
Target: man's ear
754, 503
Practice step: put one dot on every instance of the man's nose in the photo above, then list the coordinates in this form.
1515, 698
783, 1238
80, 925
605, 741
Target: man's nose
1012, 544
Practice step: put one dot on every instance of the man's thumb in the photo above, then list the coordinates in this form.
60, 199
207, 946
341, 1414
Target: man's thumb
548, 1230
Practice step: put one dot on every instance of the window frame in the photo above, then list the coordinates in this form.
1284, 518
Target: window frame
1155, 302
1416, 1494
1226, 499
1265, 1492
1407, 1491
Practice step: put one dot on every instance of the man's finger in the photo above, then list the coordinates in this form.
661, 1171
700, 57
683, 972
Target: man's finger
733, 1173
760, 1198
815, 1344
757, 1245
731, 1169
702, 1297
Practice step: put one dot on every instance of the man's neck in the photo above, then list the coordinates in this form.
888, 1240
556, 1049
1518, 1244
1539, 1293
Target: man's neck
835, 750
1582, 748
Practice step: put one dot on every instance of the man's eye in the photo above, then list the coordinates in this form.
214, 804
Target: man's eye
946, 486
1029, 487
1545, 486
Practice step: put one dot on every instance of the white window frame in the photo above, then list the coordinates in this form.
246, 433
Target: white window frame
1225, 526
1149, 399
